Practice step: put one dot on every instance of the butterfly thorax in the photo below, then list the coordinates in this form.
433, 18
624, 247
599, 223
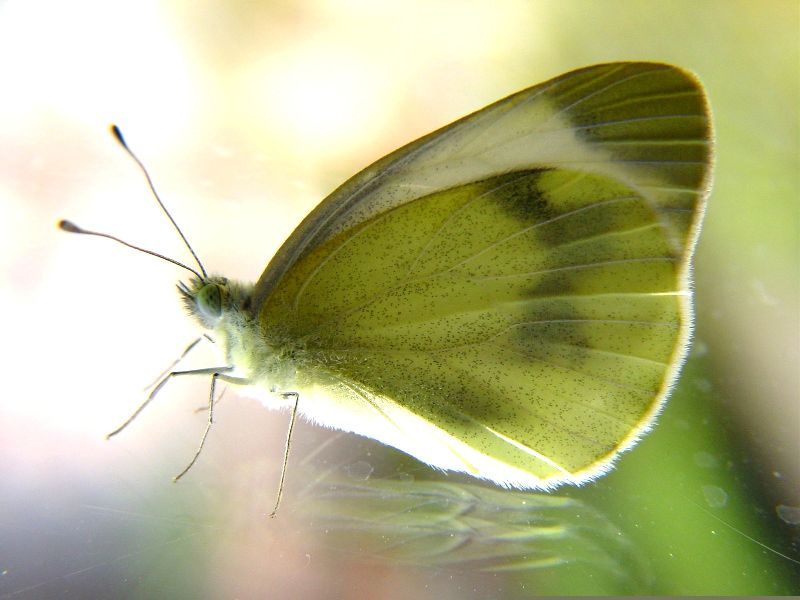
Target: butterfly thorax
225, 307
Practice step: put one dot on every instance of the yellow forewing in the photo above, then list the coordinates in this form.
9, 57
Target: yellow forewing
506, 296
646, 124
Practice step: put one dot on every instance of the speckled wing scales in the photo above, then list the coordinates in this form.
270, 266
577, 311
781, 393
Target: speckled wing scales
501, 305
646, 124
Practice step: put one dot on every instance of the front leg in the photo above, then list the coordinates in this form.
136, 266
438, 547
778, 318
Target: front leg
219, 371
215, 374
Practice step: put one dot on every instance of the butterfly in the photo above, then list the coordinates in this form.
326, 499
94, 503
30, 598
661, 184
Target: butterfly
506, 297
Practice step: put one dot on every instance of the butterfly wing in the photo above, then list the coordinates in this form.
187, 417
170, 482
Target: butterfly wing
506, 296
646, 124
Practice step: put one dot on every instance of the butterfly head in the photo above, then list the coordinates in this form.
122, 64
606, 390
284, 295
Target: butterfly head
212, 299
206, 299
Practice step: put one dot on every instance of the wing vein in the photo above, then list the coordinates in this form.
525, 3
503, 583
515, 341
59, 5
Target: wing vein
612, 382
578, 267
455, 215
530, 228
469, 375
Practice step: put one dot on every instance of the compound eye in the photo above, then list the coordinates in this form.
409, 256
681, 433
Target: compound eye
209, 300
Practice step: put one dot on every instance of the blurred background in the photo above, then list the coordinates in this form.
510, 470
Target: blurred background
247, 114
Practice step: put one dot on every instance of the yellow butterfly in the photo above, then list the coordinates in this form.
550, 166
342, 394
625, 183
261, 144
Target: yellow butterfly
506, 297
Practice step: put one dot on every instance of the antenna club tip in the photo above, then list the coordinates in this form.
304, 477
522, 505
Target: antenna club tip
69, 226
115, 131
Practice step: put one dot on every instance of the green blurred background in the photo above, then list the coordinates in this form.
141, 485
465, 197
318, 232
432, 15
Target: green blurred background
247, 114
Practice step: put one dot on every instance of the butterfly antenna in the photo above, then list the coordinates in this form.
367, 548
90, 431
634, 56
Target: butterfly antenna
118, 135
70, 227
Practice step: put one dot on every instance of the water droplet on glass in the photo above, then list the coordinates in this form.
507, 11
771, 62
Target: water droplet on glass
715, 496
360, 470
706, 460
788, 514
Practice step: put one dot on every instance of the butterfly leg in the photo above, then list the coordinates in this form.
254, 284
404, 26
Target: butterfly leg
296, 397
161, 383
204, 407
215, 374
174, 363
